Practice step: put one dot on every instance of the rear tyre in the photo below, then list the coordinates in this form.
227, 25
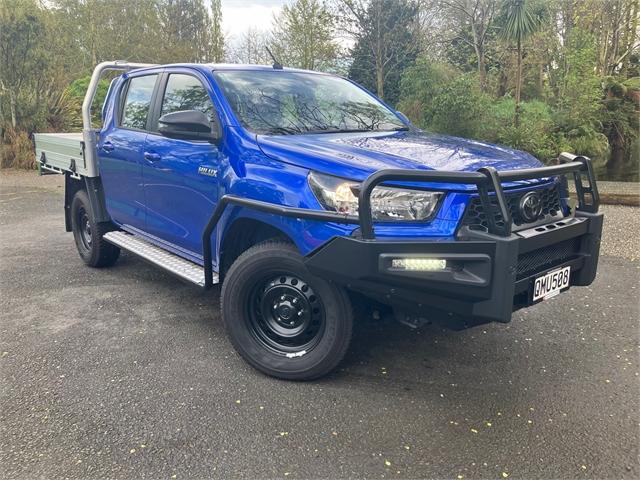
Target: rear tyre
94, 250
281, 319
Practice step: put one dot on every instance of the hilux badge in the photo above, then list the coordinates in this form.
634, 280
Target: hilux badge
208, 171
530, 206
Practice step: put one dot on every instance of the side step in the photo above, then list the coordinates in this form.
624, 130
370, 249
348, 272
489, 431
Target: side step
171, 262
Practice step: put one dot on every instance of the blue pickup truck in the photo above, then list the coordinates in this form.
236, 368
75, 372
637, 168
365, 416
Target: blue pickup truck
304, 194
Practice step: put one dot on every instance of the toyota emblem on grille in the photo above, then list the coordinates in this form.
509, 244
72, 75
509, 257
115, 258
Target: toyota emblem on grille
530, 206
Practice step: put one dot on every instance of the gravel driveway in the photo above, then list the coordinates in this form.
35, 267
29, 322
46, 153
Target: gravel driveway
126, 373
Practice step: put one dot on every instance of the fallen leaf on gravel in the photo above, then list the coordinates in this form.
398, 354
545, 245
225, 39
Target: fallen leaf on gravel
474, 430
505, 474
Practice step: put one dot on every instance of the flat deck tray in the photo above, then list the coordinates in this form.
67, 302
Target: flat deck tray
60, 152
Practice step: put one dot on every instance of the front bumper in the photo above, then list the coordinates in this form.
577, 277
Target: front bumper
487, 277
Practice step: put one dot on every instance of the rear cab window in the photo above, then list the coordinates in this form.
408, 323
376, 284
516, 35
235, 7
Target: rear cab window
137, 102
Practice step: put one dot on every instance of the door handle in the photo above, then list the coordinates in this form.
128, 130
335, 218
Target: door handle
107, 147
151, 156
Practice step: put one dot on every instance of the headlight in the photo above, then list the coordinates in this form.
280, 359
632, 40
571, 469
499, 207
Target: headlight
387, 203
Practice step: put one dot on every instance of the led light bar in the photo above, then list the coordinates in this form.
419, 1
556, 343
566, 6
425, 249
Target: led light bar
419, 264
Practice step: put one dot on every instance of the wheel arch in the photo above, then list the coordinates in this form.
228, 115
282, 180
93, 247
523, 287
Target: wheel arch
241, 234
95, 192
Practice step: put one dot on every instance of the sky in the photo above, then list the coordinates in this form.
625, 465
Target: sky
239, 15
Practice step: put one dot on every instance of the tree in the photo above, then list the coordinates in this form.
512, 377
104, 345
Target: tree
217, 37
520, 22
476, 16
21, 52
191, 33
303, 36
251, 48
387, 41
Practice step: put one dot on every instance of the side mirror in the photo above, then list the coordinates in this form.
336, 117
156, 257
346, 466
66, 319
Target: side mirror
188, 125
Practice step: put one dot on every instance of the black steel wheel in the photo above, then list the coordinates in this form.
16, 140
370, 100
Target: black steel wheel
283, 320
285, 314
84, 227
88, 234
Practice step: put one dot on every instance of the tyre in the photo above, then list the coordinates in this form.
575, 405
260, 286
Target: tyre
94, 250
281, 319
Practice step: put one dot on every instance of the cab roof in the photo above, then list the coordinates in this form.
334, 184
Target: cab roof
234, 67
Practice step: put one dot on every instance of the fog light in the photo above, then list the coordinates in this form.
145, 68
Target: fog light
419, 264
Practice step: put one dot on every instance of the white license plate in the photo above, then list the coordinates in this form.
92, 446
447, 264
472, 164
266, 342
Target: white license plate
551, 284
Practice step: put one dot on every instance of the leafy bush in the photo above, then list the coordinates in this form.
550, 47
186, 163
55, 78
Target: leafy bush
534, 134
419, 85
460, 108
77, 89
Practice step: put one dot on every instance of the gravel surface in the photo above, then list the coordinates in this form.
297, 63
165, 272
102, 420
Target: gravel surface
621, 188
126, 372
621, 237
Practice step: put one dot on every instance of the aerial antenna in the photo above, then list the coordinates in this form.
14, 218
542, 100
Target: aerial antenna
276, 64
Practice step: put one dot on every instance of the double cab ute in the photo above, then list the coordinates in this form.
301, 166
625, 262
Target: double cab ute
304, 195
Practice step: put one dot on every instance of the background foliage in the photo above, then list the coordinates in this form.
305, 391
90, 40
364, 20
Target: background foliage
538, 75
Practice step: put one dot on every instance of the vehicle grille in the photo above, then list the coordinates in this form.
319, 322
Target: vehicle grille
547, 257
475, 217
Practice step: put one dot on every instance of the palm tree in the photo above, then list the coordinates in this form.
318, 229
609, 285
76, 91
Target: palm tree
520, 22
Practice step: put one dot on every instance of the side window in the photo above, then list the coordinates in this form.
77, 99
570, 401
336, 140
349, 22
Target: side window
185, 92
136, 106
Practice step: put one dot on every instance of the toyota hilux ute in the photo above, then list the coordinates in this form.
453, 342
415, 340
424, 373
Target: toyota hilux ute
301, 192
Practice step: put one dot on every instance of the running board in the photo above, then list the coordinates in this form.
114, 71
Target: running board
189, 271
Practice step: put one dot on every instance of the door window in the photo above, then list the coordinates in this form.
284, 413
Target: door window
136, 106
185, 92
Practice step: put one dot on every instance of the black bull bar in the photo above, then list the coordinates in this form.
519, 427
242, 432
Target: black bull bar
487, 181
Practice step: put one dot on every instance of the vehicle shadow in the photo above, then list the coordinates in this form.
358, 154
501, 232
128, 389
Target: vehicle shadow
383, 353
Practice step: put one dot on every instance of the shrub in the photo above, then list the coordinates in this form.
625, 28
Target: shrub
16, 151
460, 108
533, 135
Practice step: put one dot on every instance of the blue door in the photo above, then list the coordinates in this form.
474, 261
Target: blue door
120, 151
180, 176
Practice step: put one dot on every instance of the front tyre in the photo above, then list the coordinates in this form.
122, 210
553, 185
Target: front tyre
94, 250
281, 319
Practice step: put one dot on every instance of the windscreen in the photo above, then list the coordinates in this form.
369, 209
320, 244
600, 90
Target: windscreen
290, 103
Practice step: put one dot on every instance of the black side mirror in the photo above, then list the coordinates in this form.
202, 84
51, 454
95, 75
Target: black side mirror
188, 125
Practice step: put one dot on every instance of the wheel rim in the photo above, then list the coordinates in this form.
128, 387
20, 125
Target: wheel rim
84, 228
285, 314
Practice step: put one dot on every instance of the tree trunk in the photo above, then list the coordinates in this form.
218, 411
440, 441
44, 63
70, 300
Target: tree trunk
482, 72
617, 158
380, 81
12, 108
518, 84
479, 49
